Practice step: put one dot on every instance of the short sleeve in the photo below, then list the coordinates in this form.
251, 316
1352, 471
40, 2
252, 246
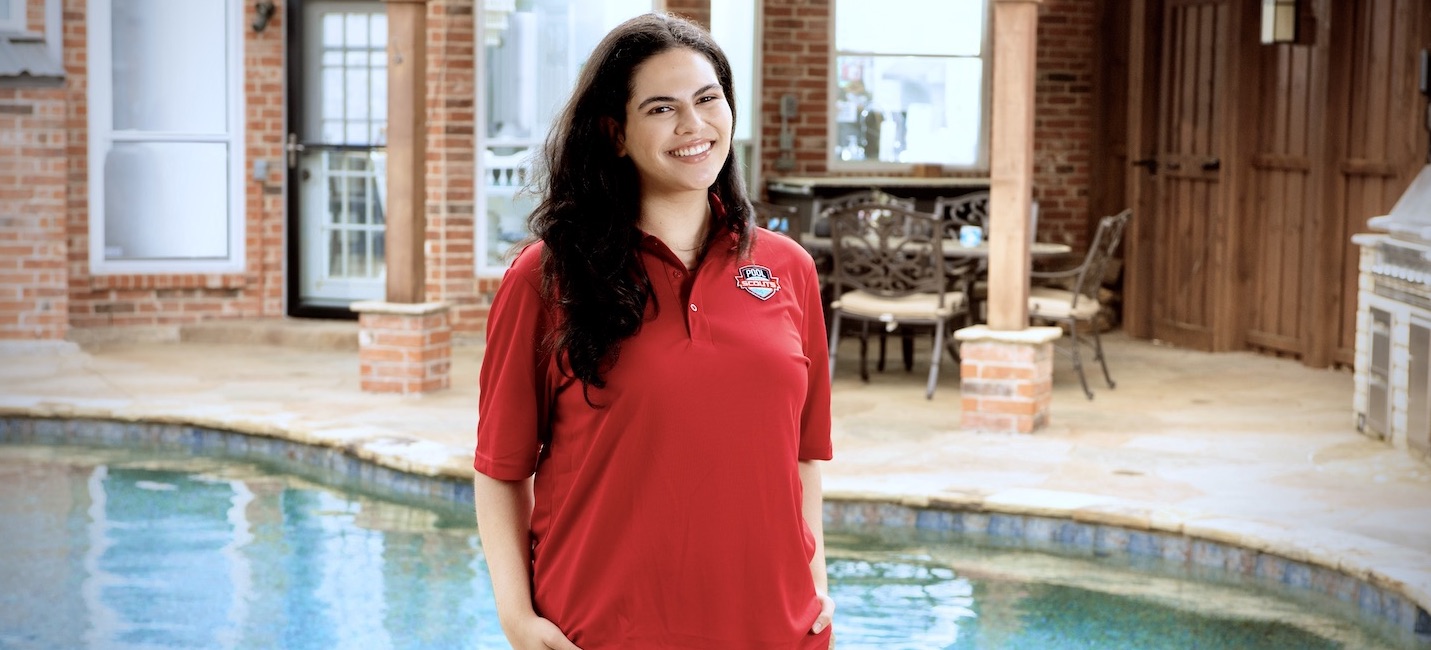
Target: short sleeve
511, 405
815, 416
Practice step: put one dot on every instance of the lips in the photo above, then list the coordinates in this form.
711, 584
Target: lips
692, 150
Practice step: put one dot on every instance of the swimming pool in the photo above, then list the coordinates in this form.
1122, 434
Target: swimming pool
112, 547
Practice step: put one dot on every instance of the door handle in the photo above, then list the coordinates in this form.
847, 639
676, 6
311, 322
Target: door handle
292, 147
1212, 165
1150, 163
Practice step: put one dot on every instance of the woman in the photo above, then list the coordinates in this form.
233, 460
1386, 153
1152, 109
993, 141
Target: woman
655, 388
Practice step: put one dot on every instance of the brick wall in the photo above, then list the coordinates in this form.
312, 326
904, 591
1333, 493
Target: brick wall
1063, 119
797, 60
451, 167
32, 213
265, 203
101, 300
127, 299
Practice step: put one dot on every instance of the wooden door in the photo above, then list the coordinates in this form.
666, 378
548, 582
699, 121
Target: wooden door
1381, 138
1189, 209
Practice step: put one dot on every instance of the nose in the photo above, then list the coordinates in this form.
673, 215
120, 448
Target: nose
689, 121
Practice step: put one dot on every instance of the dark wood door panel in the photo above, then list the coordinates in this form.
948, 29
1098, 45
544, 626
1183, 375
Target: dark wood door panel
1189, 171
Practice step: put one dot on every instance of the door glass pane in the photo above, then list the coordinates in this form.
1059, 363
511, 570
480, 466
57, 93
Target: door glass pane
170, 66
533, 52
353, 79
337, 254
332, 30
352, 186
360, 265
379, 242
166, 200
355, 30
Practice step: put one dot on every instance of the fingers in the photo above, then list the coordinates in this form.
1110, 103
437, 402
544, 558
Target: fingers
553, 638
537, 633
827, 614
561, 643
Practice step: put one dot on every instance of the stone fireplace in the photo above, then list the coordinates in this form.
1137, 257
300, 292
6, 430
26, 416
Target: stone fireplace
1392, 398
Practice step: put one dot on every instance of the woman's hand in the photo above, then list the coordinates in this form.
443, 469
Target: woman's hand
537, 633
827, 614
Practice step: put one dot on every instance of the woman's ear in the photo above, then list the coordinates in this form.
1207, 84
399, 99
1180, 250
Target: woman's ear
613, 131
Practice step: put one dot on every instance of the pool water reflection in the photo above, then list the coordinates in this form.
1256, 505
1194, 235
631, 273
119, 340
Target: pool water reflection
112, 548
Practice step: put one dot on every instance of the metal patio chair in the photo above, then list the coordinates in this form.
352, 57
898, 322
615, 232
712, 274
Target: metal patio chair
971, 208
888, 270
783, 219
820, 223
1077, 305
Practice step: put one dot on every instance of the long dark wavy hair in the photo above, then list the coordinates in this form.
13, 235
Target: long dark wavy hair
591, 199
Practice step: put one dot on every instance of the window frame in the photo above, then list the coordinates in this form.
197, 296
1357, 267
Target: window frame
17, 21
981, 162
748, 151
99, 48
481, 141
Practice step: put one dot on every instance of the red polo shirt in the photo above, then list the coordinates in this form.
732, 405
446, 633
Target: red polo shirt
670, 517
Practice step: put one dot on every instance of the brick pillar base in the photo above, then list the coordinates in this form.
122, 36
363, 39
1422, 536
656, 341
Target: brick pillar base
403, 348
1006, 378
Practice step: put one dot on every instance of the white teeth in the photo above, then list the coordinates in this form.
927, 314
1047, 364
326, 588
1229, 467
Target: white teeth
694, 150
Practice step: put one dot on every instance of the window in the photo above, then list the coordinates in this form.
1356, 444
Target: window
166, 136
12, 15
910, 91
731, 26
530, 55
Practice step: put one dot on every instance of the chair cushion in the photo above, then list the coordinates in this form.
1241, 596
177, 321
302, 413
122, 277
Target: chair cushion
1047, 302
919, 306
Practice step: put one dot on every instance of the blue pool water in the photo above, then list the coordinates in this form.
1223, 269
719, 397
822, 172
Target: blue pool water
108, 548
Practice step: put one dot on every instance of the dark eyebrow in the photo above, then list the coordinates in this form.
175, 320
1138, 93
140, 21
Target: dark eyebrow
663, 98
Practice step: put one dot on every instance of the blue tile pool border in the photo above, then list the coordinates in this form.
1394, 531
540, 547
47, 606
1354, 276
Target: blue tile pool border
335, 465
1105, 540
330, 464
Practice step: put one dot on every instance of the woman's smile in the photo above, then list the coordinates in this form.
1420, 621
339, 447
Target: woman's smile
692, 151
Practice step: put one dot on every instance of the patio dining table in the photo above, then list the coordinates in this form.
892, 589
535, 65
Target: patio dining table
953, 249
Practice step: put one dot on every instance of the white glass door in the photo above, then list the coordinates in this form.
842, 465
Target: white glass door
339, 154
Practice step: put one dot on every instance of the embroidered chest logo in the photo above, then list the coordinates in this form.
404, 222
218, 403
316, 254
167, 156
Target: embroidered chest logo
757, 280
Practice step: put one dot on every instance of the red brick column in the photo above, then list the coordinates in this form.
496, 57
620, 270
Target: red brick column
403, 348
1006, 378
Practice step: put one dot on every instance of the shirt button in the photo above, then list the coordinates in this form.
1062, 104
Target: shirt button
693, 306
676, 274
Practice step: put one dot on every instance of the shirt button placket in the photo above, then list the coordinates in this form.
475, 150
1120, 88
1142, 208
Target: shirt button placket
695, 315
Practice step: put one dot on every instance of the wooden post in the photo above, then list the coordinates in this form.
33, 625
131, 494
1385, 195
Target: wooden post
1141, 185
407, 150
1011, 162
1006, 367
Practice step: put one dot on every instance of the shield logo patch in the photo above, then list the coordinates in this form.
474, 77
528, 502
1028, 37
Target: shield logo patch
757, 281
